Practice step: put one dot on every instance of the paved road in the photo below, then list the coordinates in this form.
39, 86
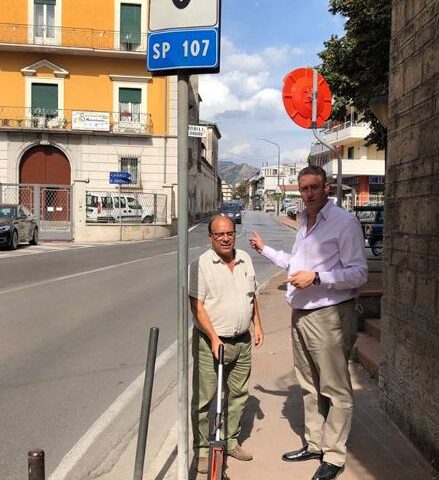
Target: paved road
74, 323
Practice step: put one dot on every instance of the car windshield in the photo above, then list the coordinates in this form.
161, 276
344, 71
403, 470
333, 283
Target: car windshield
8, 212
230, 207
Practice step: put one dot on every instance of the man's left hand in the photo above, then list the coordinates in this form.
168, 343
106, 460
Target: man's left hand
301, 279
259, 335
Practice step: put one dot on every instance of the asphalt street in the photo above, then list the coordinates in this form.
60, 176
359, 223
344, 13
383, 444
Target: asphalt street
74, 326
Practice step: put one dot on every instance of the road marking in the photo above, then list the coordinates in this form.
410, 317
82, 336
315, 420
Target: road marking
86, 272
107, 418
41, 248
81, 274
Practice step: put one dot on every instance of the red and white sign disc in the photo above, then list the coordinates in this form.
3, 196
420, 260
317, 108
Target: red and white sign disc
297, 97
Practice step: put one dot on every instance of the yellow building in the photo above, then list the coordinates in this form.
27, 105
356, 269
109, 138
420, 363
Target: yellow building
76, 101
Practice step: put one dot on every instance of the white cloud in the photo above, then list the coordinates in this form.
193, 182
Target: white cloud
237, 150
245, 100
295, 154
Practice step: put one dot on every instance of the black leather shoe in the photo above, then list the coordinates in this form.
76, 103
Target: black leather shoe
301, 455
327, 471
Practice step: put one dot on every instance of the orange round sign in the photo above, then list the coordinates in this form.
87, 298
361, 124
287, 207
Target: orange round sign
297, 97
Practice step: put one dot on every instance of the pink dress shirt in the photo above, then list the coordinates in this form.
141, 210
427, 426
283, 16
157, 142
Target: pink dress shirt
334, 248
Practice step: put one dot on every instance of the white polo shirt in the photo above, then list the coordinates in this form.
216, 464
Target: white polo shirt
227, 296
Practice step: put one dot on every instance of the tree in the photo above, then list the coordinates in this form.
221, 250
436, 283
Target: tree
242, 190
356, 66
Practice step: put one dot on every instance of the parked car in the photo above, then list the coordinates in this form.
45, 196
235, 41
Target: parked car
112, 207
256, 203
17, 224
372, 219
287, 202
269, 207
231, 210
291, 212
374, 233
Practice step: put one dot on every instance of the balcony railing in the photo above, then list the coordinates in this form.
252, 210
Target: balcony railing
12, 118
82, 38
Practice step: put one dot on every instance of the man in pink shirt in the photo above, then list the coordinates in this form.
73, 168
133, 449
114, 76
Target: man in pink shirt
325, 268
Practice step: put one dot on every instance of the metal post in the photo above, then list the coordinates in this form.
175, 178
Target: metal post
146, 403
120, 215
278, 168
314, 131
278, 176
35, 464
182, 267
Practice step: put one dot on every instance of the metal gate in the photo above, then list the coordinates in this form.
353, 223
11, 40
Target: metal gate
51, 205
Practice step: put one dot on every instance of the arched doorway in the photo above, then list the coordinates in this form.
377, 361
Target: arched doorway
45, 164
45, 177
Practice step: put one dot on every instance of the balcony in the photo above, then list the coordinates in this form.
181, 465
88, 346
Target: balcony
340, 135
354, 168
75, 121
74, 40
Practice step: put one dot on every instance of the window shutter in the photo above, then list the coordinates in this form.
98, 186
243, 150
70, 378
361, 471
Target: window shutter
44, 99
45, 2
130, 95
130, 18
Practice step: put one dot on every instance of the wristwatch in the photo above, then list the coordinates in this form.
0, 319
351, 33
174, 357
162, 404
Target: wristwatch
316, 280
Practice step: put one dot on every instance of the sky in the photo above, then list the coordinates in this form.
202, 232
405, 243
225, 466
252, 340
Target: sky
261, 42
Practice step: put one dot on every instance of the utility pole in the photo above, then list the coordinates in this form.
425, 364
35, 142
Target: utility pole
278, 170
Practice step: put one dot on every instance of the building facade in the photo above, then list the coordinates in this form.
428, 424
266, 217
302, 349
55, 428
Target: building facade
77, 103
271, 179
362, 166
409, 381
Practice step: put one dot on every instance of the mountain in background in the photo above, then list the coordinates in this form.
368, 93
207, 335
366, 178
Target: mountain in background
233, 173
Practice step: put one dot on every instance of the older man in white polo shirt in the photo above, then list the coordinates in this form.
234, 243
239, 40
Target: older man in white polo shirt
325, 268
222, 295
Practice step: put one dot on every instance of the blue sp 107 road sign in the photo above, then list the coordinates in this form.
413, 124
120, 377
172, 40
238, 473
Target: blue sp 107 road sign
120, 178
184, 35
183, 49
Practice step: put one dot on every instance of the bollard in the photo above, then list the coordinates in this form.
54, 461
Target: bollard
146, 404
35, 463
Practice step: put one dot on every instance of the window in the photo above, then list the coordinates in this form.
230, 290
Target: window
122, 204
133, 203
44, 19
130, 100
351, 152
131, 165
44, 100
130, 21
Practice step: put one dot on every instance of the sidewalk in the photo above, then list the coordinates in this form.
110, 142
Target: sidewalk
273, 420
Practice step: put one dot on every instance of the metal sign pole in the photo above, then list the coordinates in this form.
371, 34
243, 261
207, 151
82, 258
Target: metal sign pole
182, 267
314, 131
120, 214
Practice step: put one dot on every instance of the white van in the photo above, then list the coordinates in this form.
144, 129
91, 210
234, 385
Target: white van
112, 208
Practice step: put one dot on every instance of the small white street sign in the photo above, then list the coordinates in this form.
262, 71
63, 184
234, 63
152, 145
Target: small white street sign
171, 14
197, 131
278, 190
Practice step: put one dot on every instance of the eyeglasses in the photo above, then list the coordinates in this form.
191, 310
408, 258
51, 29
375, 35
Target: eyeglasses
219, 235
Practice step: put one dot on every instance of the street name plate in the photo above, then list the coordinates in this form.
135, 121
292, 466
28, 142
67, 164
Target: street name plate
197, 131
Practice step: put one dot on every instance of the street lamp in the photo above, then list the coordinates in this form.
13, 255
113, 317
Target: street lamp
278, 169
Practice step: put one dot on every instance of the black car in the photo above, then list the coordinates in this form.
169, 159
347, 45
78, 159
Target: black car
17, 224
374, 233
231, 210
372, 219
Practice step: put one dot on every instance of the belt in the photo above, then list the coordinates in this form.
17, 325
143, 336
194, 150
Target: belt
326, 306
236, 339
